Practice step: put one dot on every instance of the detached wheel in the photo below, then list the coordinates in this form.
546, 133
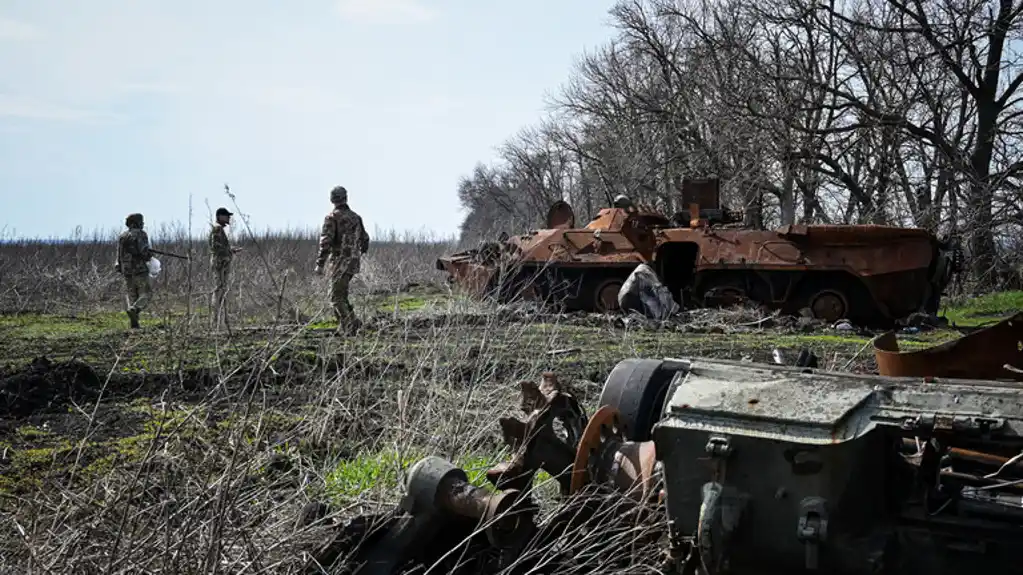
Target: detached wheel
829, 304
637, 388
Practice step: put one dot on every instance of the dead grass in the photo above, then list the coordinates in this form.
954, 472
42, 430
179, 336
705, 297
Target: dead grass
274, 269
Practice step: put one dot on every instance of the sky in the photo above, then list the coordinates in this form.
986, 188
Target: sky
109, 107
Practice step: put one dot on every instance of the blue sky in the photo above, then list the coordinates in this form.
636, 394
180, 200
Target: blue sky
114, 106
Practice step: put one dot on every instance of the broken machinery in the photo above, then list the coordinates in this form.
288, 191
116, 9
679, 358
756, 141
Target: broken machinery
734, 467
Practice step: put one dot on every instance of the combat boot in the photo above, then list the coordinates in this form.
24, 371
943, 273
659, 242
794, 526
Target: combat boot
133, 317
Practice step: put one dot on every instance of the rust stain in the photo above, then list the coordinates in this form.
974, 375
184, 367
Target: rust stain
888, 271
979, 355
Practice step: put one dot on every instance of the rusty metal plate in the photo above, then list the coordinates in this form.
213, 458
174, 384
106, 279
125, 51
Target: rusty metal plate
560, 216
979, 355
706, 192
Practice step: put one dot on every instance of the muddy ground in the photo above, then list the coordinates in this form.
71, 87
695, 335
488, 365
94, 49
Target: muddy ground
217, 440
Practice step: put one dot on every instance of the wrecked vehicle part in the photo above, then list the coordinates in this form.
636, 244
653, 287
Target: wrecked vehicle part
441, 518
606, 457
435, 486
547, 439
868, 274
772, 469
982, 354
636, 389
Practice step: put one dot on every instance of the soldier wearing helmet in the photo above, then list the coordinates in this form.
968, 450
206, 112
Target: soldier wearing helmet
221, 255
343, 240
133, 257
623, 201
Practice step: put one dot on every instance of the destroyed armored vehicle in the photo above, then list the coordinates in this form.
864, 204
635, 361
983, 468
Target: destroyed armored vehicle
869, 274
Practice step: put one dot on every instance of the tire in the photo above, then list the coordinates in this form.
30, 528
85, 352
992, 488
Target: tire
829, 304
637, 388
832, 299
600, 294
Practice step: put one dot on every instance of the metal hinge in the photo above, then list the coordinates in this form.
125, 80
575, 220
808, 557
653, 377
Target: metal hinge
719, 446
813, 528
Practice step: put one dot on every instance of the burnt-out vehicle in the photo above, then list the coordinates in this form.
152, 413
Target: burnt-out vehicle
869, 274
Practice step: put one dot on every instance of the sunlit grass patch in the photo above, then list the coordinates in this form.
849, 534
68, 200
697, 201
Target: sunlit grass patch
985, 309
386, 470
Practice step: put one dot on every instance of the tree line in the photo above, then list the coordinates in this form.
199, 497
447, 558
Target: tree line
898, 112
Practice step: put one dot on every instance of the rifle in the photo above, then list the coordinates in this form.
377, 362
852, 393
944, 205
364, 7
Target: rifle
168, 254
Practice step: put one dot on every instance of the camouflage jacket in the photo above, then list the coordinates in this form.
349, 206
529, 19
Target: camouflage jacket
220, 246
133, 252
344, 239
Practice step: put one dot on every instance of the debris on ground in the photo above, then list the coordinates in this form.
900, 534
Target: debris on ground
922, 321
981, 354
643, 292
669, 475
445, 524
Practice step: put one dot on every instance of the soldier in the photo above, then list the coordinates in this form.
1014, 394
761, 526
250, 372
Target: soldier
221, 254
344, 239
133, 257
623, 201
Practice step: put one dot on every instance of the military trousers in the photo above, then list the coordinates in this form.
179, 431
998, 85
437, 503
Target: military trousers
342, 308
221, 276
138, 291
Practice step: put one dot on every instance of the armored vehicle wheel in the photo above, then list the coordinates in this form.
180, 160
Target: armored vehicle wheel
723, 290
725, 296
829, 304
637, 389
605, 294
591, 292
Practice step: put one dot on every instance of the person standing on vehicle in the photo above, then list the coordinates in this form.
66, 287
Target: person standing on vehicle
133, 257
343, 241
221, 255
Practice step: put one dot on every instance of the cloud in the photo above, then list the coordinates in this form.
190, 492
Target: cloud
17, 30
35, 109
385, 11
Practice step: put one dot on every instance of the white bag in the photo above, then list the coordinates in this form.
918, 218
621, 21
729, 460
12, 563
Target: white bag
154, 267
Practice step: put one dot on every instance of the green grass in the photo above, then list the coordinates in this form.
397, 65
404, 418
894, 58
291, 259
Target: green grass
385, 470
34, 326
402, 303
985, 309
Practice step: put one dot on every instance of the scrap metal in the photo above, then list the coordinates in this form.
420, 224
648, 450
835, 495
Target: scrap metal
983, 354
758, 469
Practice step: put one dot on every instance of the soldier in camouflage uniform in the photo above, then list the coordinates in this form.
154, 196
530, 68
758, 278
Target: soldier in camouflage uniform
133, 257
221, 254
343, 239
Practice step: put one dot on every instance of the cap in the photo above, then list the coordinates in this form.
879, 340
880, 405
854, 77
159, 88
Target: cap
223, 212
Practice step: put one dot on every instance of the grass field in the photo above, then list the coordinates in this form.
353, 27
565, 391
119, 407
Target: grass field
175, 449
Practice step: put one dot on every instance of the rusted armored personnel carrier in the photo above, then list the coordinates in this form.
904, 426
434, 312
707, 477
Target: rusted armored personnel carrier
869, 274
